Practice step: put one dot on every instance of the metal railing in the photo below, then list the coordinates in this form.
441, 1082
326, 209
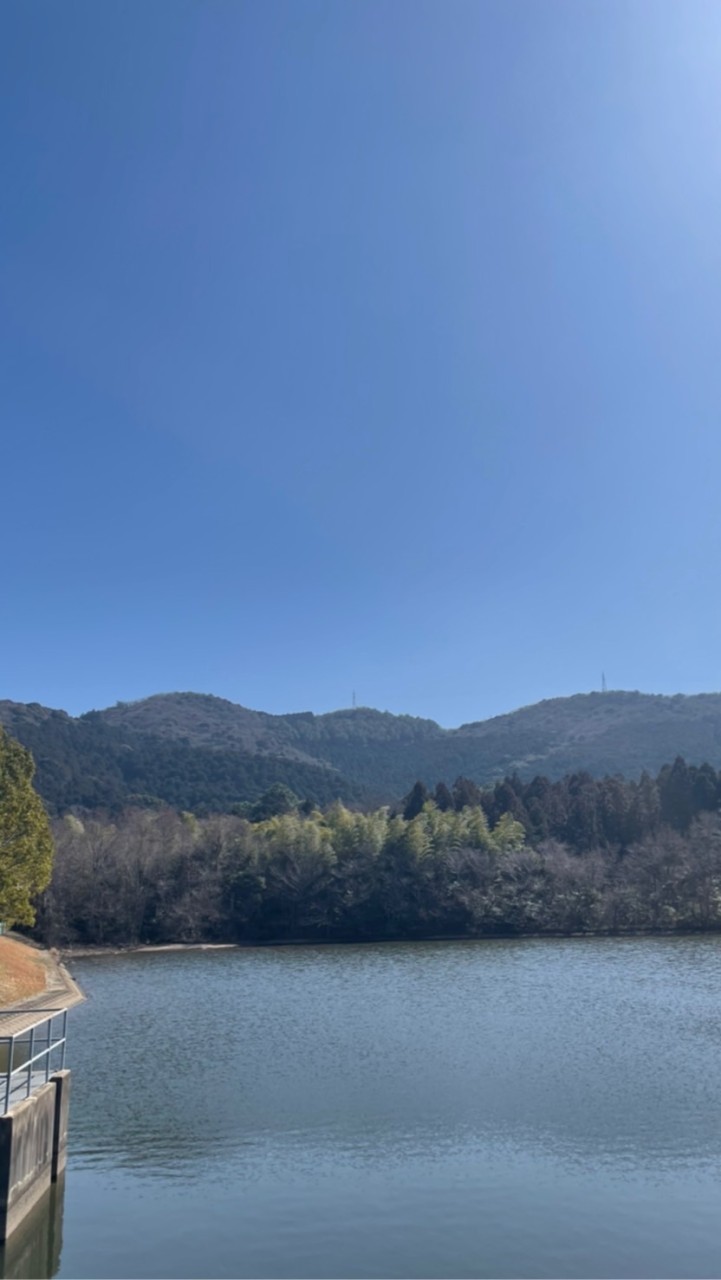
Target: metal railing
31, 1053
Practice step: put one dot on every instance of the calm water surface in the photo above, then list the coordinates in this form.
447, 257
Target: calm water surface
533, 1108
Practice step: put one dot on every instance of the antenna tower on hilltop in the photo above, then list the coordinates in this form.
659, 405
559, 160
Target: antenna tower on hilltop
604, 686
354, 701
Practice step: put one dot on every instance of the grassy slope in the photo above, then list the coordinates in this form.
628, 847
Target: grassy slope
23, 971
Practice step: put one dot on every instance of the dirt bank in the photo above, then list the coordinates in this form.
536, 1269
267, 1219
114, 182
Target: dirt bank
31, 976
23, 971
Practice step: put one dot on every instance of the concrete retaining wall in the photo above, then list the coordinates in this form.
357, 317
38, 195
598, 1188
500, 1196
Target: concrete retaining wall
34, 1248
33, 1141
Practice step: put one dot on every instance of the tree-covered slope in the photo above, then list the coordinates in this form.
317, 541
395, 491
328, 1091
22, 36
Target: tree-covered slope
384, 753
378, 752
195, 751
616, 732
86, 763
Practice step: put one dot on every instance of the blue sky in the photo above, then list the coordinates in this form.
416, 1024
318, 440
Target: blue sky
360, 346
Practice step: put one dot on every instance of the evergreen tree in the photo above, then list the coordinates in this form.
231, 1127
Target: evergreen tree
676, 788
414, 801
583, 826
465, 793
277, 800
706, 789
507, 799
26, 846
614, 806
443, 798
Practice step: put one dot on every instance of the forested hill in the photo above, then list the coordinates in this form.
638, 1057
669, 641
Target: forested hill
203, 753
88, 764
384, 754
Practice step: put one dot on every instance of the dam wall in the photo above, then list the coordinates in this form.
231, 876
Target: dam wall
33, 1142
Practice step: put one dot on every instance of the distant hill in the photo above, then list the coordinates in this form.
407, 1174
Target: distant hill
600, 732
200, 752
86, 763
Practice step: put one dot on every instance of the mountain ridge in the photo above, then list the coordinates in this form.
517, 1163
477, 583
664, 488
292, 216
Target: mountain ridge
215, 753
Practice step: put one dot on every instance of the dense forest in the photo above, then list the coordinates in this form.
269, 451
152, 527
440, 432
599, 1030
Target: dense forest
567, 856
589, 813
207, 755
88, 764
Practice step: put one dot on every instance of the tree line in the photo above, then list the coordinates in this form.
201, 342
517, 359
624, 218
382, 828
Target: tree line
583, 812
595, 855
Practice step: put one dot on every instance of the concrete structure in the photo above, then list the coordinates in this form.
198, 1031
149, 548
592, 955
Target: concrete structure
33, 1150
27, 1139
34, 1248
61, 1080
35, 1101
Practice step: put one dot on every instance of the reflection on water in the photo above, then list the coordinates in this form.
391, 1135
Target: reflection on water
528, 1108
33, 1251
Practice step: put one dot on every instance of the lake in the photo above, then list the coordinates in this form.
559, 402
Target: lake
510, 1109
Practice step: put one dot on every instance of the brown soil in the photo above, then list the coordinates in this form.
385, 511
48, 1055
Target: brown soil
23, 971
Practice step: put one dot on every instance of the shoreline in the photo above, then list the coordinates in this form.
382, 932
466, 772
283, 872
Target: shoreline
133, 948
120, 949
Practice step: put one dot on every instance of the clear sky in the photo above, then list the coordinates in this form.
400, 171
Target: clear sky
365, 346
